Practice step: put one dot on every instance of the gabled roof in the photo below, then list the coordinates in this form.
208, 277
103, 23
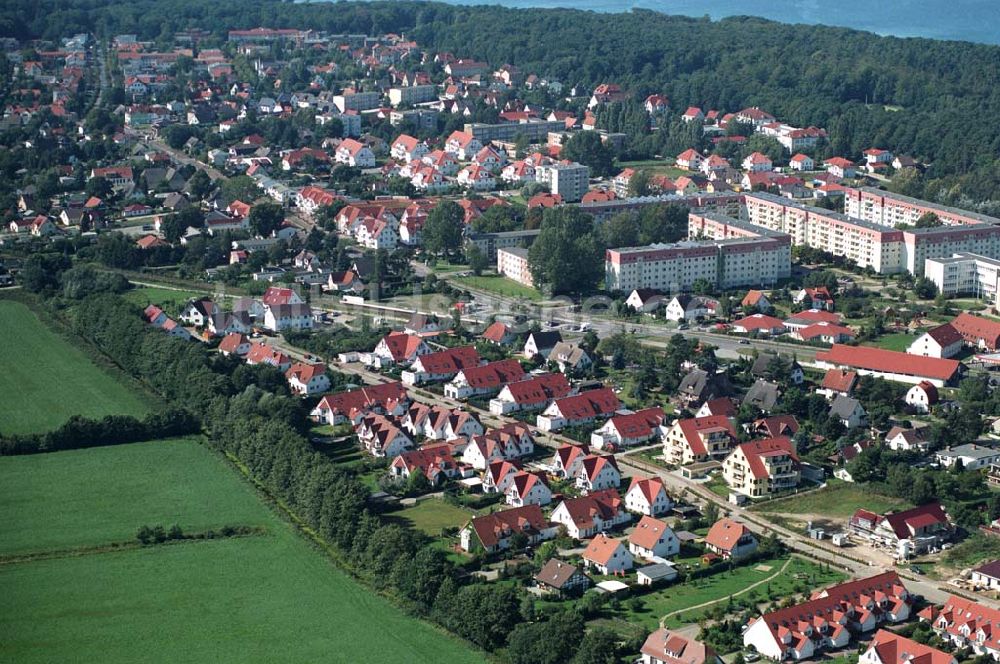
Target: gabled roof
650, 487
592, 403
945, 335
877, 359
605, 504
648, 532
892, 648
496, 332
638, 424
593, 464
673, 648
539, 389
692, 427
601, 549
450, 360
902, 522
839, 380
973, 328
303, 372
494, 374
491, 528
364, 398
725, 533
556, 574
401, 345
756, 450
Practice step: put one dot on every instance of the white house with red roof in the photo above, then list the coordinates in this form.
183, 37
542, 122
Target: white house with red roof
907, 533
463, 145
517, 172
653, 539
840, 167
801, 162
398, 348
493, 532
567, 459
695, 439
381, 436
476, 177
757, 162
890, 648
607, 555
730, 539
759, 323
828, 619
354, 153
441, 422
527, 488
891, 365
489, 159
760, 468
484, 380
648, 496
511, 441
964, 623
666, 647
499, 334
441, 365
921, 396
596, 473
693, 113
532, 394
498, 475
628, 430
307, 379
351, 406
942, 341
579, 409
814, 298
435, 462
689, 160
406, 148
235, 343
263, 354
656, 104
878, 156
586, 516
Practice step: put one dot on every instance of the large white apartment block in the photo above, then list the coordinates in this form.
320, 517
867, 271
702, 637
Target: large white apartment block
888, 209
965, 274
570, 181
513, 264
735, 253
357, 101
413, 94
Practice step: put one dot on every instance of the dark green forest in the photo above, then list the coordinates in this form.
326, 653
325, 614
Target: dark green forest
943, 97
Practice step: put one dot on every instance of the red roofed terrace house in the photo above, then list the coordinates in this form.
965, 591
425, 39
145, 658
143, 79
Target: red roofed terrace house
441, 365
648, 496
888, 364
435, 462
511, 441
495, 532
532, 394
628, 430
579, 410
889, 648
587, 516
382, 437
907, 533
828, 620
351, 406
596, 473
484, 380
967, 624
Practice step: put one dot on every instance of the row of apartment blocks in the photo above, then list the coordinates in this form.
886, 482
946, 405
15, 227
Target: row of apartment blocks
866, 235
724, 252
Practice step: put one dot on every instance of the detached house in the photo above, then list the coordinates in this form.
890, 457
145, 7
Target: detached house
354, 153
307, 379
499, 334
943, 341
499, 475
689, 308
579, 410
569, 357
607, 555
648, 496
280, 317
666, 647
653, 539
586, 516
561, 578
907, 533
381, 437
493, 532
540, 343
730, 539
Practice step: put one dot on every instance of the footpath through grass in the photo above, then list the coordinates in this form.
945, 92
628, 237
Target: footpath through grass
44, 379
270, 597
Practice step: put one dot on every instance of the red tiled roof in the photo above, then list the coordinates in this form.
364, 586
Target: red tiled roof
839, 380
305, 372
601, 549
724, 534
494, 374
877, 359
491, 528
755, 450
539, 389
925, 515
605, 504
364, 398
402, 346
639, 424
945, 335
650, 487
232, 341
496, 332
591, 403
692, 426
974, 328
593, 464
648, 532
450, 360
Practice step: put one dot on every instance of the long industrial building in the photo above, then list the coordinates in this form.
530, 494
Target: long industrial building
734, 254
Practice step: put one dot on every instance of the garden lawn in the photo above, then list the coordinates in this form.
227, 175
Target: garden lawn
898, 342
170, 300
44, 379
432, 515
499, 285
838, 500
95, 496
253, 599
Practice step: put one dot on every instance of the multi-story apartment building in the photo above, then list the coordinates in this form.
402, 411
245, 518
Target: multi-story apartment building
762, 467
513, 264
570, 181
413, 94
356, 101
531, 129
735, 254
888, 209
965, 274
695, 439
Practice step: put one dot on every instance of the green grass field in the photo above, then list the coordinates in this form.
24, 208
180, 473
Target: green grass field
44, 380
101, 495
264, 598
839, 500
656, 167
499, 285
898, 342
171, 301
433, 515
